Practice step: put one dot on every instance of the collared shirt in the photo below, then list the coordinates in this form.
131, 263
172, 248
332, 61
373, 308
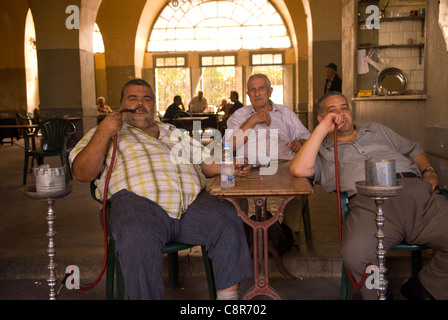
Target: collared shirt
197, 106
151, 168
374, 142
259, 145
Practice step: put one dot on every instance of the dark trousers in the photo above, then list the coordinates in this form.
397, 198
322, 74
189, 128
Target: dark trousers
141, 228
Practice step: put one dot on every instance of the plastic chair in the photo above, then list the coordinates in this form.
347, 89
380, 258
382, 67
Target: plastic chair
416, 251
26, 121
53, 143
113, 268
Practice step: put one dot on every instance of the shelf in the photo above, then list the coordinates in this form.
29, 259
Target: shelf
420, 47
415, 45
398, 19
403, 97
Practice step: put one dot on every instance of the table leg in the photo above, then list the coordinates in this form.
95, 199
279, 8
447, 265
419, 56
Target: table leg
261, 249
51, 250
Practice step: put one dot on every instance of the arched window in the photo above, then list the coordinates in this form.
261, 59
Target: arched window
218, 25
98, 45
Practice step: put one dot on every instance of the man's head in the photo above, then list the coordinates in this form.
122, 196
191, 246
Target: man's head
259, 91
100, 101
233, 96
334, 101
331, 70
177, 100
138, 95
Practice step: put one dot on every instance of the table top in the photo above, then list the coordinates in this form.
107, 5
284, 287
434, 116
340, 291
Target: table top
18, 126
190, 119
280, 184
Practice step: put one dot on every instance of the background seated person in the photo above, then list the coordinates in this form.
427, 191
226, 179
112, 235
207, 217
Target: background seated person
198, 104
177, 105
101, 107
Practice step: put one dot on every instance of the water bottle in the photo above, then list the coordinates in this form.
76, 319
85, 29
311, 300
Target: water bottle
374, 89
227, 169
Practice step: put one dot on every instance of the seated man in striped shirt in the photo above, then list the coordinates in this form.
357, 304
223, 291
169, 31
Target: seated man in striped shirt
157, 198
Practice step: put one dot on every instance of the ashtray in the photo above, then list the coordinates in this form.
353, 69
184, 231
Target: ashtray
376, 191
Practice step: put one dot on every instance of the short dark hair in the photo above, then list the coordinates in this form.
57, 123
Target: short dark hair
320, 107
135, 82
234, 93
176, 98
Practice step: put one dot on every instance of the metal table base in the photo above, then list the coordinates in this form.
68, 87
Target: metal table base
261, 247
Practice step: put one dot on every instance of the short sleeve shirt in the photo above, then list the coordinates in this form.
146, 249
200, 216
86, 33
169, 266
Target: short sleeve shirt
163, 170
374, 142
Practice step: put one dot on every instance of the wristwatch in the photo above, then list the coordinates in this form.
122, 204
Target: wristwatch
429, 169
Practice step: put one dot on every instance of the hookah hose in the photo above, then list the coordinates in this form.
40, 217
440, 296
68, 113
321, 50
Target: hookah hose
104, 218
338, 193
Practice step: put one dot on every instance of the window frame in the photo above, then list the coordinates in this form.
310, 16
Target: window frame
252, 53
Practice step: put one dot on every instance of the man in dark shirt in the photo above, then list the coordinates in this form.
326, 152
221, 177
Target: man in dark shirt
236, 103
173, 108
333, 82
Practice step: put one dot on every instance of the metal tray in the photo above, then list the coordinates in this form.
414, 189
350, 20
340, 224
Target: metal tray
392, 80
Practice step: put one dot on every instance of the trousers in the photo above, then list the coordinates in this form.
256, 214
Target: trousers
141, 228
416, 215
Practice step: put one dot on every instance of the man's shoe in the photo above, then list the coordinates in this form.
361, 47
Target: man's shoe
412, 289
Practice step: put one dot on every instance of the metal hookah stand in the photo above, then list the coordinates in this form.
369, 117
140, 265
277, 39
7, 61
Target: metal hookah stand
380, 185
51, 184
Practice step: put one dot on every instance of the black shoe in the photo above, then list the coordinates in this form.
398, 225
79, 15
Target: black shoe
412, 289
389, 295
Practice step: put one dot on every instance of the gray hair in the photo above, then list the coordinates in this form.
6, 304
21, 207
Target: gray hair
320, 107
259, 75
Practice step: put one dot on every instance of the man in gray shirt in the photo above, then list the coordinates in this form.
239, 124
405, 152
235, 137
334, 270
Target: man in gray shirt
418, 215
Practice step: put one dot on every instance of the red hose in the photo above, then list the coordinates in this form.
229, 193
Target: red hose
104, 217
338, 193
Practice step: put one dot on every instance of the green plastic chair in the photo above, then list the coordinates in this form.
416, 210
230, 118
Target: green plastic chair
114, 271
54, 134
416, 251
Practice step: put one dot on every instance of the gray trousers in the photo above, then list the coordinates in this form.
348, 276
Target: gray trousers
141, 228
417, 215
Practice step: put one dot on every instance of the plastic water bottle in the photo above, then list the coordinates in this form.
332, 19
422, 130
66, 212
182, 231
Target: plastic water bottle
227, 169
374, 89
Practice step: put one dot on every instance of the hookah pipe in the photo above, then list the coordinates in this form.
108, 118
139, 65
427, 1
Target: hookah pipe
338, 192
104, 216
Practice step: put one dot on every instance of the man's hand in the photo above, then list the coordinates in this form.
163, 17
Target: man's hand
241, 169
295, 145
111, 124
432, 177
261, 116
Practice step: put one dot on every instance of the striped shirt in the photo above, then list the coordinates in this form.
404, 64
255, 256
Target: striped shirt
259, 145
163, 170
374, 142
